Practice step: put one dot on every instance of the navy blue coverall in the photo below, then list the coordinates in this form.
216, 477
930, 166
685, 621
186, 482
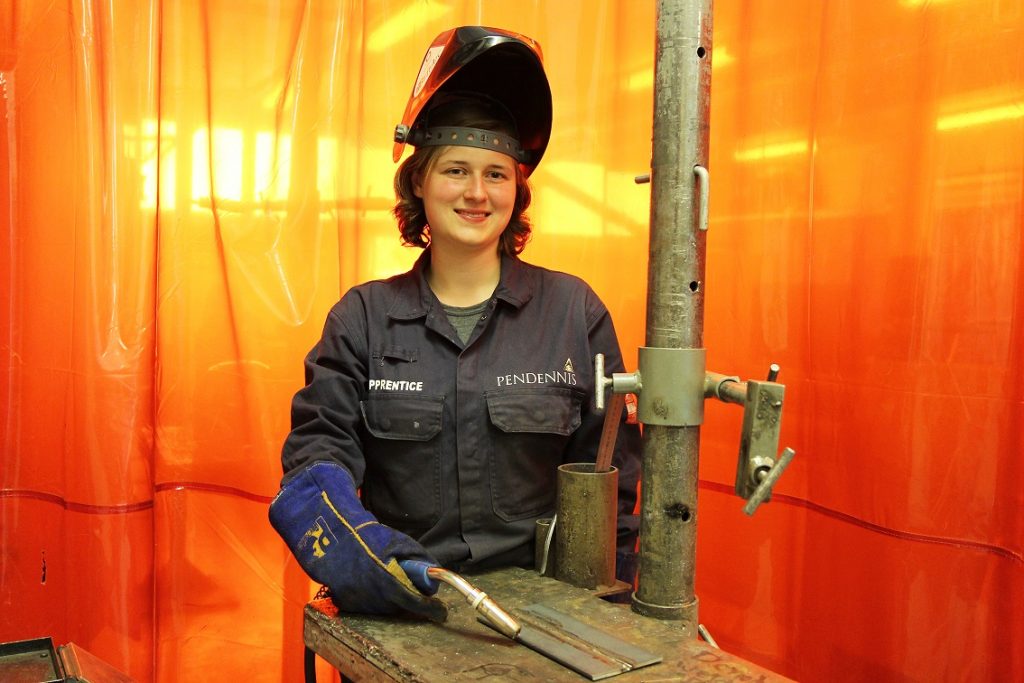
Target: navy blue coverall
457, 444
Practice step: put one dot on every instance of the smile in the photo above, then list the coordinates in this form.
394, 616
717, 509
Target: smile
472, 215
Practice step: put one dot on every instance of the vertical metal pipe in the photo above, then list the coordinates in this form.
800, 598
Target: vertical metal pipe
675, 304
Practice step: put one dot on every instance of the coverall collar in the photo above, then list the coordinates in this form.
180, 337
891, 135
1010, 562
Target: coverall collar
415, 298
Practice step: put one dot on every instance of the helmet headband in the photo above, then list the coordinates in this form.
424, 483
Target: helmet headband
460, 136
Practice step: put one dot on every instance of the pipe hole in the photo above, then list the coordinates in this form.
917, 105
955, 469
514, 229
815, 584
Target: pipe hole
701, 52
678, 511
694, 286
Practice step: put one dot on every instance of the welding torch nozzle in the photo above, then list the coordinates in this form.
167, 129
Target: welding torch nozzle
501, 620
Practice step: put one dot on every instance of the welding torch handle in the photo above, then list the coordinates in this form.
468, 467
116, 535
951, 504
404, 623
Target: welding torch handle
417, 570
502, 622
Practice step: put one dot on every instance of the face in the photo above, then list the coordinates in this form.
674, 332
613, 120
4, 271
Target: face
468, 195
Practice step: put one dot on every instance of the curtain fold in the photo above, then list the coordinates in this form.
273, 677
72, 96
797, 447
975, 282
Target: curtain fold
186, 189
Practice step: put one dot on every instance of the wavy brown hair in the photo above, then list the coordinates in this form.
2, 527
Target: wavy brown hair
409, 210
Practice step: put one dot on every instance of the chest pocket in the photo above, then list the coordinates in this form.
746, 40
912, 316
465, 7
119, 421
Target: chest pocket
392, 354
403, 418
402, 485
531, 430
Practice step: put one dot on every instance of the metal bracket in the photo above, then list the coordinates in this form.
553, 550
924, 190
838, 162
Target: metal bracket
705, 192
620, 382
759, 440
669, 386
673, 392
758, 467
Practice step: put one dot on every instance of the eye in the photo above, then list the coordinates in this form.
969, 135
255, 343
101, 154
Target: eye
455, 171
498, 175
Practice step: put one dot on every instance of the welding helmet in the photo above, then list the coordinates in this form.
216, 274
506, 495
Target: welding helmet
498, 70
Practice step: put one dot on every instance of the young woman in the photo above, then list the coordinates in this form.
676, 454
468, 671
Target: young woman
449, 395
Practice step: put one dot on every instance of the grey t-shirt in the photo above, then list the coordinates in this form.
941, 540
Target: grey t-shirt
465, 318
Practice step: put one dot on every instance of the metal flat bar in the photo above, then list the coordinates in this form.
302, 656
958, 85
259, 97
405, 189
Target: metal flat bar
630, 655
586, 650
609, 432
584, 663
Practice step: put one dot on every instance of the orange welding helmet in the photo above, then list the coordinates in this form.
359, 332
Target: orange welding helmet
499, 70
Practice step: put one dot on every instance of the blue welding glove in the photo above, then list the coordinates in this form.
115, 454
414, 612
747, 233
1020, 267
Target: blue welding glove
341, 545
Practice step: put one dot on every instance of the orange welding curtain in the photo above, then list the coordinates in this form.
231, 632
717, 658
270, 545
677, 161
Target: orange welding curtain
187, 187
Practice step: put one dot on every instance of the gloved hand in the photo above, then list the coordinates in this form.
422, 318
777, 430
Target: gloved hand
341, 545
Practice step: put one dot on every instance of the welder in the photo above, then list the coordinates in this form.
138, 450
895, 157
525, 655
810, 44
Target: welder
439, 403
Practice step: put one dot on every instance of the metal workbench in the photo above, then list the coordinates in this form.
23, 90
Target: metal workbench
366, 648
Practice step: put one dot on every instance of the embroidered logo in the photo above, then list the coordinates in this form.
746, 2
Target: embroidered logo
565, 376
319, 536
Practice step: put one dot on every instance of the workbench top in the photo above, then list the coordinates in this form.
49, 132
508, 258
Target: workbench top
462, 649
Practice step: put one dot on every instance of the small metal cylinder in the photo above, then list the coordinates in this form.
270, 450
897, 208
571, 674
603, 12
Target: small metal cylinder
587, 519
544, 550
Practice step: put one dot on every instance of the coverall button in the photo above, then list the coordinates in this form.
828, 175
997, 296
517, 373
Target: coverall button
385, 423
538, 414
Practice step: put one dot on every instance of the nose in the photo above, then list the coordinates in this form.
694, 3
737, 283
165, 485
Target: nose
475, 188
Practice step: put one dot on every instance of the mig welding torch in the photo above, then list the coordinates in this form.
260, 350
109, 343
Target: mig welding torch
489, 610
